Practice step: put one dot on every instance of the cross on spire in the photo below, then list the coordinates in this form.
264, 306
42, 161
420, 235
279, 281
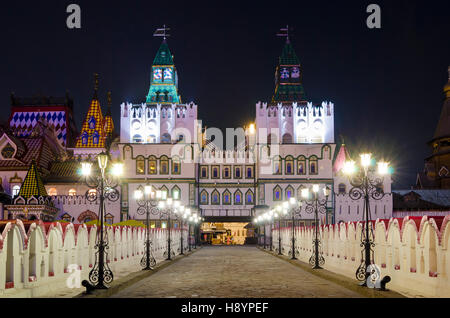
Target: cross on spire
162, 32
284, 32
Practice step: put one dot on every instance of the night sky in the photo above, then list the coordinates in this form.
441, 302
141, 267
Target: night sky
386, 84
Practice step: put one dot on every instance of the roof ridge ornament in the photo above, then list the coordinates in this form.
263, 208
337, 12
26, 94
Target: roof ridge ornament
95, 85
284, 32
162, 32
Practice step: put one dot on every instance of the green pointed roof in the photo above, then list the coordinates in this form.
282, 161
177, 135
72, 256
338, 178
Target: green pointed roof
288, 56
32, 185
163, 56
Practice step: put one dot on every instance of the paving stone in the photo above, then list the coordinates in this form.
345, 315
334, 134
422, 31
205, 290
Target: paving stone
234, 271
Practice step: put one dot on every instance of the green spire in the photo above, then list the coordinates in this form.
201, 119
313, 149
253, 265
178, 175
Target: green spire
163, 57
164, 79
32, 185
288, 77
288, 56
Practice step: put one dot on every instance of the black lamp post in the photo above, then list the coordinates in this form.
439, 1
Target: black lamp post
102, 186
366, 184
292, 207
169, 207
147, 201
313, 204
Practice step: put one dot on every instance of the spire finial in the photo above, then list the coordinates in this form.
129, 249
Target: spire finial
284, 32
162, 32
109, 102
449, 73
95, 85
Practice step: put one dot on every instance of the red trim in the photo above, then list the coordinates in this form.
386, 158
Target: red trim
433, 274
32, 279
397, 267
413, 270
50, 274
383, 265
9, 285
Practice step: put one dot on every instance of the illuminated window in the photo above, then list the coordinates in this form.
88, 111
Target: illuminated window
301, 165
226, 172
249, 172
137, 138
164, 165
226, 197
140, 165
91, 122
276, 165
204, 197
289, 162
92, 192
215, 197
215, 172
249, 197
204, 172
237, 172
15, 190
176, 166
72, 192
313, 168
84, 138
277, 194
52, 191
152, 165
289, 192
95, 138
238, 197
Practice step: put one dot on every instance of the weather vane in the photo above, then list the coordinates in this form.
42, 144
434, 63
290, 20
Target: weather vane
162, 32
284, 32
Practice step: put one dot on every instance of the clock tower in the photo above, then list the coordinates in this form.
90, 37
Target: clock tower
288, 77
164, 79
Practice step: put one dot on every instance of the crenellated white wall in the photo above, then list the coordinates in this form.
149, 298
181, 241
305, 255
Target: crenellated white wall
35, 258
414, 253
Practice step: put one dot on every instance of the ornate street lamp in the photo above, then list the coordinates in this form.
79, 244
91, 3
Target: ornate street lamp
366, 184
102, 186
169, 207
315, 205
147, 201
294, 208
192, 220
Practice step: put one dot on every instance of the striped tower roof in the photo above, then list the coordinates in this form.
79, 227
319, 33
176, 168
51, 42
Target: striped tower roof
32, 185
92, 133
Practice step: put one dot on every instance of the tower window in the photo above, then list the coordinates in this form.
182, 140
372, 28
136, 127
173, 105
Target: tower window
204, 172
152, 165
249, 172
164, 165
91, 123
140, 165
215, 172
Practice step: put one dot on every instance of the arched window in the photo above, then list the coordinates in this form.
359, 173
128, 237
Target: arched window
95, 138
301, 165
226, 197
15, 190
164, 189
277, 194
140, 165
276, 165
287, 138
249, 197
271, 139
289, 165
164, 165
290, 192
341, 188
84, 138
176, 165
152, 165
72, 192
215, 172
313, 165
176, 192
204, 197
215, 197
91, 122
238, 197
137, 138
52, 191
151, 139
165, 138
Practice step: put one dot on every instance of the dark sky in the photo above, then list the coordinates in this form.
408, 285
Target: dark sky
386, 84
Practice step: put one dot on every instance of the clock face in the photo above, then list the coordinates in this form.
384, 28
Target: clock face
157, 74
295, 72
284, 73
167, 74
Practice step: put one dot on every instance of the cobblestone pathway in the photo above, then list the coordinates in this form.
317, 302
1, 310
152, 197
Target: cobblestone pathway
234, 271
